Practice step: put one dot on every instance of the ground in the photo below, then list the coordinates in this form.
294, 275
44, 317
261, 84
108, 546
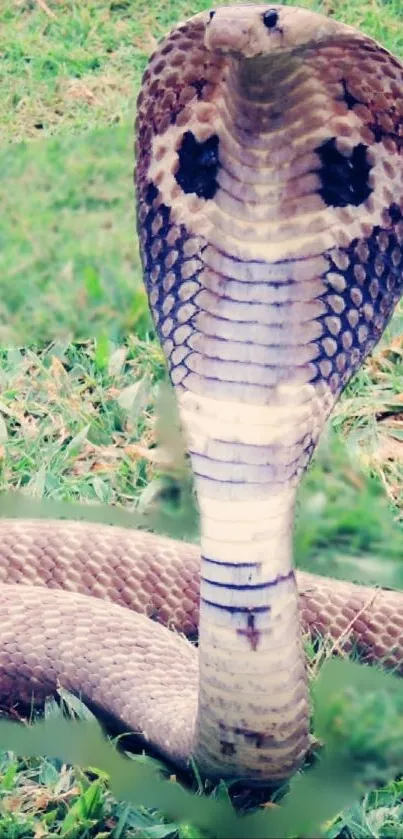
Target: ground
81, 373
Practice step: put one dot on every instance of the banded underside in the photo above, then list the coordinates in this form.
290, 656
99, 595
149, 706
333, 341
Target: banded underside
272, 248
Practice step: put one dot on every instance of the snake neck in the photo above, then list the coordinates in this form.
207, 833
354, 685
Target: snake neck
247, 460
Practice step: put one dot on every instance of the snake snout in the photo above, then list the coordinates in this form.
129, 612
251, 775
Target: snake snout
234, 31
230, 39
252, 30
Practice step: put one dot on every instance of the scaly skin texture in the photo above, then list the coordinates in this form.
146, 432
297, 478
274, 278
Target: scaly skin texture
270, 216
87, 639
269, 185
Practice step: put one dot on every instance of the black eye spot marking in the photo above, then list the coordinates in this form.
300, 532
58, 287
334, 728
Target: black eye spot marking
344, 179
270, 19
198, 165
211, 15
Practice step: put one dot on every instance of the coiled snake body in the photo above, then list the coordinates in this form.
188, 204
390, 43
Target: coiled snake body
270, 218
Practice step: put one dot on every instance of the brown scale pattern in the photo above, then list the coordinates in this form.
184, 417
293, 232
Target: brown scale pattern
372, 89
180, 72
53, 638
133, 570
364, 285
172, 267
363, 276
103, 562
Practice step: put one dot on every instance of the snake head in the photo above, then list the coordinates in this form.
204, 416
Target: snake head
252, 30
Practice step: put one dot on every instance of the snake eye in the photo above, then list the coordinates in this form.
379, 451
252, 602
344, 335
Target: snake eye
211, 15
270, 19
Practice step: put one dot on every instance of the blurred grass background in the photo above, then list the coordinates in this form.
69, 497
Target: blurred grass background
80, 369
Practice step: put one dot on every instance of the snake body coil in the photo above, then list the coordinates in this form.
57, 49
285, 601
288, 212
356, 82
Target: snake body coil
270, 218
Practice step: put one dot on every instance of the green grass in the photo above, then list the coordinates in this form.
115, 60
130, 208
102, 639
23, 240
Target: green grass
80, 369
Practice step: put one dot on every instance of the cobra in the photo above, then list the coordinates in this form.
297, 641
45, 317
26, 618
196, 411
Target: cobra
270, 217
